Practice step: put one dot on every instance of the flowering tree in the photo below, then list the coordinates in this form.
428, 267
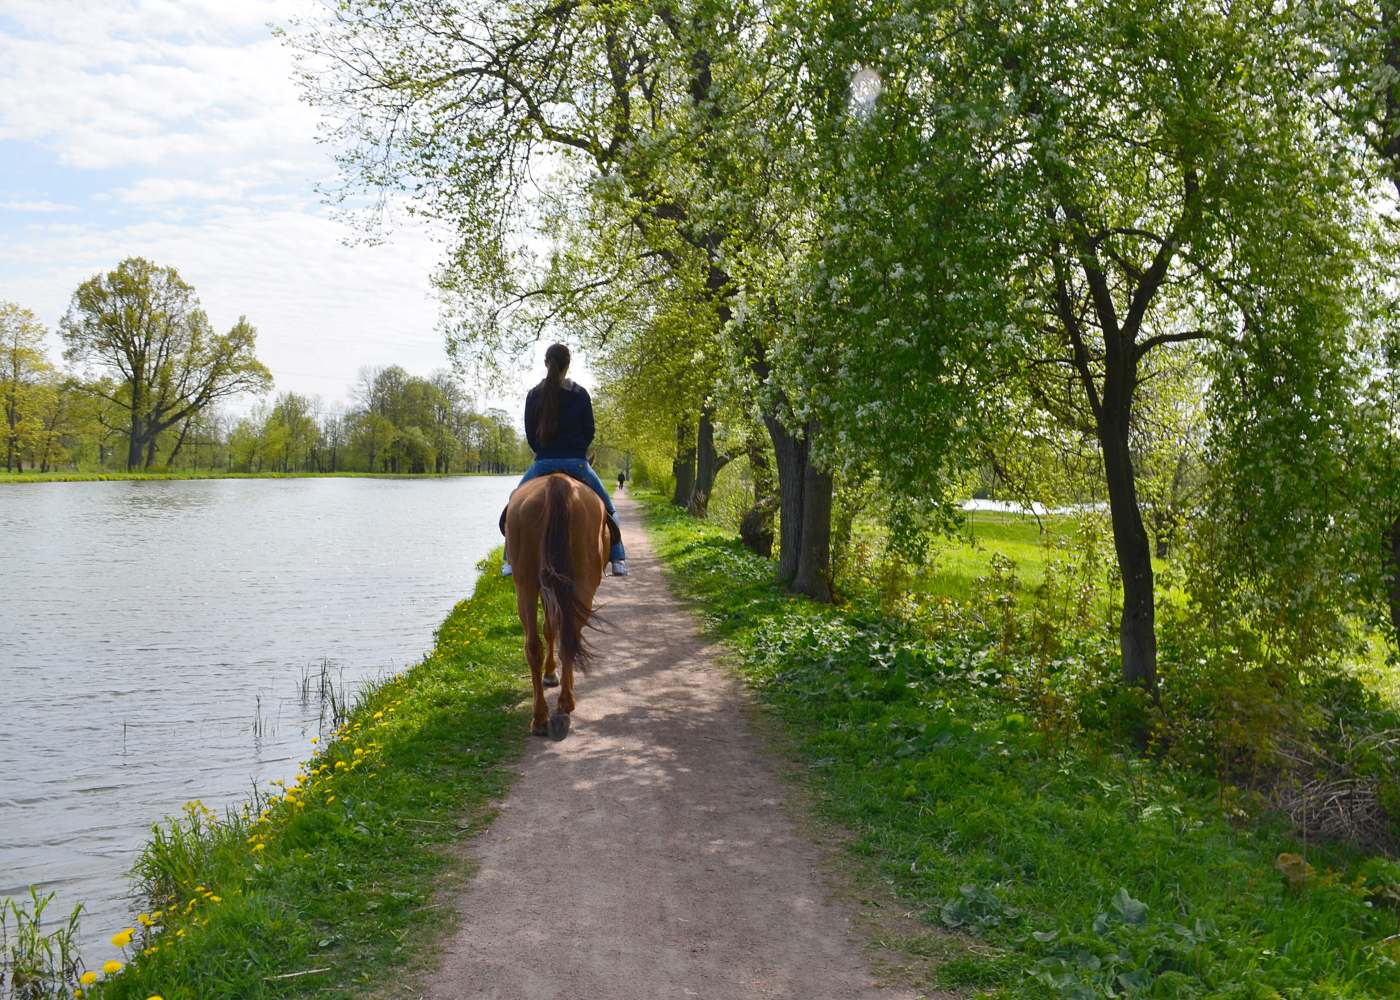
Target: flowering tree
633, 112
1071, 189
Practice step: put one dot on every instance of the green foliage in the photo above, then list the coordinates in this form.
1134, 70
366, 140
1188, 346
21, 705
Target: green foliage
401, 423
1089, 870
37, 963
332, 872
143, 326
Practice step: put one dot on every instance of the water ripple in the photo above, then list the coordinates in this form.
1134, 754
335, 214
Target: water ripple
154, 637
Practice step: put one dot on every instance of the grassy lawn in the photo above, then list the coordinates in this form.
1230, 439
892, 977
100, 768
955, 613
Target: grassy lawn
1073, 869
324, 888
958, 563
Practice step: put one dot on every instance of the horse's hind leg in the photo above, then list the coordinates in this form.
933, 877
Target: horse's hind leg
566, 692
551, 676
559, 718
534, 655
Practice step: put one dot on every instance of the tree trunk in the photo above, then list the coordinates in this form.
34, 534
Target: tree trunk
151, 452
1392, 553
814, 554
804, 492
135, 439
790, 454
756, 527
708, 464
11, 438
179, 443
1137, 635
683, 466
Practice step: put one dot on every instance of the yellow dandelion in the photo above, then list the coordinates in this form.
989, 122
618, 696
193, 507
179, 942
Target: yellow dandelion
330, 799
315, 740
216, 899
123, 938
379, 715
111, 967
359, 752
180, 932
78, 994
155, 996
88, 978
259, 846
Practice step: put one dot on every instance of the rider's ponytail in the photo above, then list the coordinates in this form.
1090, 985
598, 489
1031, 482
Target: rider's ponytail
556, 360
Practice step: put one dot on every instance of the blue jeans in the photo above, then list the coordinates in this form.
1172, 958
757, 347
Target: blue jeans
579, 469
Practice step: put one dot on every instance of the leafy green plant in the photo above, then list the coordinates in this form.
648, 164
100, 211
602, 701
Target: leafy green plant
37, 963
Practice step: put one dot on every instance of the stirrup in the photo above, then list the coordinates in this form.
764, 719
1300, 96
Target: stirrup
619, 567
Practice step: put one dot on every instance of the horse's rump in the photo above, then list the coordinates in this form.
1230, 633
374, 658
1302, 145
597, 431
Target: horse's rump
565, 609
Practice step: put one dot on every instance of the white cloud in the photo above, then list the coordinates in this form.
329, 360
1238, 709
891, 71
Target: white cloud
150, 83
322, 309
40, 206
193, 103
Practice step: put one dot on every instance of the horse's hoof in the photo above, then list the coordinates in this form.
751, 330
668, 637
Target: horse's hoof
558, 726
551, 680
542, 730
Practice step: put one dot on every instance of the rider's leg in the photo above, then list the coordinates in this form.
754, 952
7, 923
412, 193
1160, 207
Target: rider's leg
584, 473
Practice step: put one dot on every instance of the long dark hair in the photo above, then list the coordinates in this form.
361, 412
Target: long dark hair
556, 360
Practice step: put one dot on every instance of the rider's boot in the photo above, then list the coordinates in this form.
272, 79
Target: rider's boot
619, 566
505, 560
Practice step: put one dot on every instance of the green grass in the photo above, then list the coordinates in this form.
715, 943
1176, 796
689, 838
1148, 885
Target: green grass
90, 477
958, 563
339, 876
1083, 870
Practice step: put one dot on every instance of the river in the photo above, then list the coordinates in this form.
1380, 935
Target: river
168, 641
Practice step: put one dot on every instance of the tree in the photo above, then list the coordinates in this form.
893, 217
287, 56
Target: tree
632, 102
24, 370
143, 324
1089, 188
1360, 79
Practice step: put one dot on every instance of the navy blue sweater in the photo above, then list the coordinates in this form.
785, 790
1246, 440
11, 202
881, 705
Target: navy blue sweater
574, 432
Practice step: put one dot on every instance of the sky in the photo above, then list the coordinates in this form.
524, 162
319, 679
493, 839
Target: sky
171, 129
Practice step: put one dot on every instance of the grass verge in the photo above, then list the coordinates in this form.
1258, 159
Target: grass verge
1083, 871
324, 887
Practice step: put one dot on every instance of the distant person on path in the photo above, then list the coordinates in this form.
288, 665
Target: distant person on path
621, 478
559, 428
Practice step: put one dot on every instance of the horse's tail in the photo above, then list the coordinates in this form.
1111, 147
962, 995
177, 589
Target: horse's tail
564, 610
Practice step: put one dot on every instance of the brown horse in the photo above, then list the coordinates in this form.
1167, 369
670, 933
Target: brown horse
557, 542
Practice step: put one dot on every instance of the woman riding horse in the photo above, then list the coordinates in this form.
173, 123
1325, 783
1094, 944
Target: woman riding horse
559, 428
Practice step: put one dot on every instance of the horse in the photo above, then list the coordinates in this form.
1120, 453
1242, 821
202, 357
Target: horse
557, 541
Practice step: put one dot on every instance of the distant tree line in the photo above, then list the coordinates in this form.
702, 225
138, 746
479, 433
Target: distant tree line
399, 423
147, 372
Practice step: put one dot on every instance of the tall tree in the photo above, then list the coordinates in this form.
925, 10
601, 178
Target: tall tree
459, 104
143, 324
23, 370
1097, 183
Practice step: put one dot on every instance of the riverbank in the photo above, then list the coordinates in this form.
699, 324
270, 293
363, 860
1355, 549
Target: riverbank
93, 477
324, 886
1060, 865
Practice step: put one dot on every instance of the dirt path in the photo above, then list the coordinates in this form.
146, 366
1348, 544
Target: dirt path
650, 854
